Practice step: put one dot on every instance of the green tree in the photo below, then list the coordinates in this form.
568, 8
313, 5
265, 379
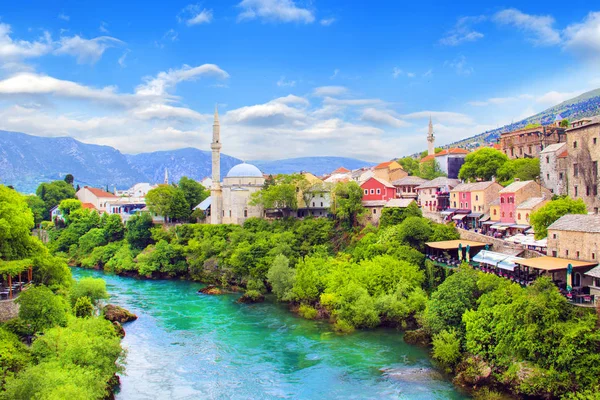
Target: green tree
180, 209
37, 207
16, 222
138, 233
14, 355
52, 193
281, 277
446, 348
564, 123
83, 307
281, 196
415, 231
410, 165
69, 179
552, 211
525, 169
92, 288
482, 164
395, 216
160, 199
430, 170
113, 227
42, 309
67, 206
193, 191
347, 203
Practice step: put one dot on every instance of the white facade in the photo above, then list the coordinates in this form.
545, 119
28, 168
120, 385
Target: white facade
239, 184
98, 197
137, 190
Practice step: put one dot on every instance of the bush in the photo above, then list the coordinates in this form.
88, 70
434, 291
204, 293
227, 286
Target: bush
446, 348
14, 355
92, 288
41, 309
342, 326
307, 312
83, 307
281, 277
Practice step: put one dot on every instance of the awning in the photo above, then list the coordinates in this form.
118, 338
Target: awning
548, 263
500, 227
520, 226
484, 218
500, 260
459, 217
463, 211
453, 244
489, 223
204, 204
447, 212
474, 215
529, 231
594, 272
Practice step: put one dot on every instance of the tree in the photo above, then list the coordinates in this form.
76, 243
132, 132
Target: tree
42, 309
69, 179
83, 307
138, 233
545, 216
52, 193
410, 165
16, 222
193, 191
179, 209
430, 170
169, 202
113, 227
415, 231
395, 216
482, 164
281, 277
347, 202
564, 123
92, 288
281, 196
525, 169
37, 207
67, 206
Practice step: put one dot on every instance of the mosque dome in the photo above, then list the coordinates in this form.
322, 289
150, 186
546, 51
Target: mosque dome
244, 171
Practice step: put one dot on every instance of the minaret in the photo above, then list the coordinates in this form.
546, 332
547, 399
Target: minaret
166, 176
430, 139
216, 206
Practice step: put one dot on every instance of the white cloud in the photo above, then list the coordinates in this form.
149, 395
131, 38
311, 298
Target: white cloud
121, 60
448, 117
12, 50
86, 50
275, 11
194, 15
553, 98
327, 21
460, 65
383, 117
159, 85
584, 37
64, 17
462, 31
428, 73
103, 27
396, 72
539, 27
501, 100
165, 111
282, 82
352, 102
274, 113
324, 91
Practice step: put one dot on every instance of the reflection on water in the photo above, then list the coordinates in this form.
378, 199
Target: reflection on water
185, 346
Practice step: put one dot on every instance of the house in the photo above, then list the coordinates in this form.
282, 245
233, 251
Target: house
451, 160
582, 161
97, 197
138, 190
314, 200
529, 142
206, 182
577, 237
389, 171
362, 174
125, 207
475, 197
376, 189
399, 203
553, 168
515, 194
528, 207
341, 170
434, 195
406, 187
374, 209
337, 177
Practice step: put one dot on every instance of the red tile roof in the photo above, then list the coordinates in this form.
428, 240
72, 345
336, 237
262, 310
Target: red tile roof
99, 192
454, 150
564, 154
383, 165
341, 170
89, 206
427, 158
497, 146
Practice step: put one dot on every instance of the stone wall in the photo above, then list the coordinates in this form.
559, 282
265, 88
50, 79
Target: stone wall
8, 310
498, 245
433, 216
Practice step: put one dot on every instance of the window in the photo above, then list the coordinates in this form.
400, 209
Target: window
554, 254
575, 170
560, 176
223, 212
587, 190
594, 140
374, 211
476, 197
230, 213
502, 200
372, 191
548, 176
245, 213
554, 236
464, 195
575, 144
321, 204
567, 253
577, 253
530, 150
595, 210
512, 152
366, 191
461, 205
593, 256
547, 160
520, 150
313, 203
575, 191
510, 215
577, 279
454, 204
378, 191
519, 216
495, 211
595, 168
527, 217
502, 214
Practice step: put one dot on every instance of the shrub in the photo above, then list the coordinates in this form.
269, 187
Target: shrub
83, 307
307, 312
42, 309
343, 326
281, 277
446, 348
92, 288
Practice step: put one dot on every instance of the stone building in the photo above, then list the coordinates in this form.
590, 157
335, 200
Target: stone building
528, 207
406, 187
517, 193
530, 142
553, 168
389, 171
434, 195
582, 161
475, 197
576, 237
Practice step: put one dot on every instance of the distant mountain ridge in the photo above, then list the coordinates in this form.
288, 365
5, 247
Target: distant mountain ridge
27, 160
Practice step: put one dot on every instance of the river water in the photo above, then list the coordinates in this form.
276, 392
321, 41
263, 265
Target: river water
186, 345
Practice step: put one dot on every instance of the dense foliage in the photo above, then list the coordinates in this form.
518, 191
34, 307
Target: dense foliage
175, 202
525, 169
552, 211
482, 164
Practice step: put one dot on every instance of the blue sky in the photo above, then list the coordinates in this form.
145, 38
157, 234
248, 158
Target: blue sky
292, 78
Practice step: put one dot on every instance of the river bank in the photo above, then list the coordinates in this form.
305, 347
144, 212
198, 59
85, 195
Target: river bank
186, 345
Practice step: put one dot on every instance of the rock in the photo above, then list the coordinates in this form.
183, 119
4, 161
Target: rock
417, 337
472, 371
119, 329
119, 314
251, 296
211, 289
412, 374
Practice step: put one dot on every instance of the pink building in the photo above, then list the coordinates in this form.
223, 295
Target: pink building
377, 189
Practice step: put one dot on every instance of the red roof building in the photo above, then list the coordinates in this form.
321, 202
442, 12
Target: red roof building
377, 189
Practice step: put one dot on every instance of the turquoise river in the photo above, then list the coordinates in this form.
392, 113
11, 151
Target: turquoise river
186, 345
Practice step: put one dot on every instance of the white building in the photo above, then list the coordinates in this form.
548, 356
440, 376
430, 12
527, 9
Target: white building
137, 190
97, 197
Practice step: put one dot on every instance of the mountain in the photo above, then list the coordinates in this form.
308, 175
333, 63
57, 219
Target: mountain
26, 161
584, 105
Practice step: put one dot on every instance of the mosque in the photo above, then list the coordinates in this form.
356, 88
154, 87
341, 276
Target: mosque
229, 200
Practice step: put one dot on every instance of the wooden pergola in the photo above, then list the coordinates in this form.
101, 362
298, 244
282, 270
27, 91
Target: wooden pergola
15, 268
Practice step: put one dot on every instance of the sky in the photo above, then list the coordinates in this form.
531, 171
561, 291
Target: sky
291, 78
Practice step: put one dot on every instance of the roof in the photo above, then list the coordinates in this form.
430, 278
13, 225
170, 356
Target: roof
595, 272
564, 154
495, 202
427, 158
99, 192
88, 206
473, 187
437, 182
497, 146
592, 121
244, 171
577, 223
399, 203
204, 204
374, 203
341, 170
453, 244
532, 202
454, 150
547, 263
383, 165
383, 182
553, 147
515, 186
409, 180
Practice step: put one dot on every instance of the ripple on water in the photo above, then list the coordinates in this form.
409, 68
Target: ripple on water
187, 346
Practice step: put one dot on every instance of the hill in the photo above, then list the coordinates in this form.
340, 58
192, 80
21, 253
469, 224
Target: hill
26, 161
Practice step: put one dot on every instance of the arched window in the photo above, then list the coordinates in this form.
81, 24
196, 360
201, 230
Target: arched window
519, 216
476, 197
577, 279
495, 211
502, 214
245, 213
527, 217
510, 215
502, 200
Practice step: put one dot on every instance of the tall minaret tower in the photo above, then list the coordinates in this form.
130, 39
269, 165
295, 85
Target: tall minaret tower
166, 176
216, 206
430, 139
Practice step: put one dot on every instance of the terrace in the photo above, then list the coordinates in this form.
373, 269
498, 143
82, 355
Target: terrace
451, 253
